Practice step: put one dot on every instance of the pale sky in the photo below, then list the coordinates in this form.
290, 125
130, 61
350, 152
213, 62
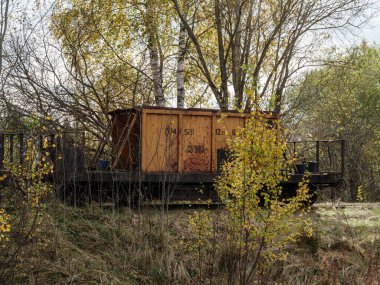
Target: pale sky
372, 33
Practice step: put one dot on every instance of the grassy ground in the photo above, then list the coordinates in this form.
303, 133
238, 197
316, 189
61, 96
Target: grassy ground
345, 248
104, 246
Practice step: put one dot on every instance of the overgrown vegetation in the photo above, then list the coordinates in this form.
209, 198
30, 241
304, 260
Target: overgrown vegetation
341, 100
100, 246
259, 236
23, 205
259, 220
69, 63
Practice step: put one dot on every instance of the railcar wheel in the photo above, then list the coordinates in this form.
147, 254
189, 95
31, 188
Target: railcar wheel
341, 185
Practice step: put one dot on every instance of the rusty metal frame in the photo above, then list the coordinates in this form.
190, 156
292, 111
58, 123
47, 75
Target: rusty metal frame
318, 149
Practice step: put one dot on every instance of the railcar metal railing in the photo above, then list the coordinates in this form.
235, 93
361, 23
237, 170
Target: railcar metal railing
14, 145
328, 155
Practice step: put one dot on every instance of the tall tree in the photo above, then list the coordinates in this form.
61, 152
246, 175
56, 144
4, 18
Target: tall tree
103, 55
260, 44
121, 33
155, 51
182, 47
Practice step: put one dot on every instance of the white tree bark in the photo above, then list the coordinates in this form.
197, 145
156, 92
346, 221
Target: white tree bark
236, 56
182, 38
155, 65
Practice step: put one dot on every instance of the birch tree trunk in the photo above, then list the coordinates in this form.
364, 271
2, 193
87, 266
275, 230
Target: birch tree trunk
154, 55
222, 57
236, 58
182, 38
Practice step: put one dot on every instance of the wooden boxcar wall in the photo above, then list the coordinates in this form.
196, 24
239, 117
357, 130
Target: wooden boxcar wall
126, 140
172, 140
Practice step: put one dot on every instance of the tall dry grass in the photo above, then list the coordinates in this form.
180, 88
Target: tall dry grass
91, 245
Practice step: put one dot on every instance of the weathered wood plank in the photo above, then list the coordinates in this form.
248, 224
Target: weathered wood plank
161, 143
213, 144
180, 143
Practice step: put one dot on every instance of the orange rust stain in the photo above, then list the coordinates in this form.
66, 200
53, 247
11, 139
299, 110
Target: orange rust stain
197, 162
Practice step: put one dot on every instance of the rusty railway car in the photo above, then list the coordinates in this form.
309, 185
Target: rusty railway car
163, 154
185, 148
180, 147
175, 141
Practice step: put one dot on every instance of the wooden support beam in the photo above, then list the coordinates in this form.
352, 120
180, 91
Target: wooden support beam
125, 139
213, 144
180, 143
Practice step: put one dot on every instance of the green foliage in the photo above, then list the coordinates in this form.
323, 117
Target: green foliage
359, 194
341, 100
260, 221
23, 198
106, 42
5, 227
248, 45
